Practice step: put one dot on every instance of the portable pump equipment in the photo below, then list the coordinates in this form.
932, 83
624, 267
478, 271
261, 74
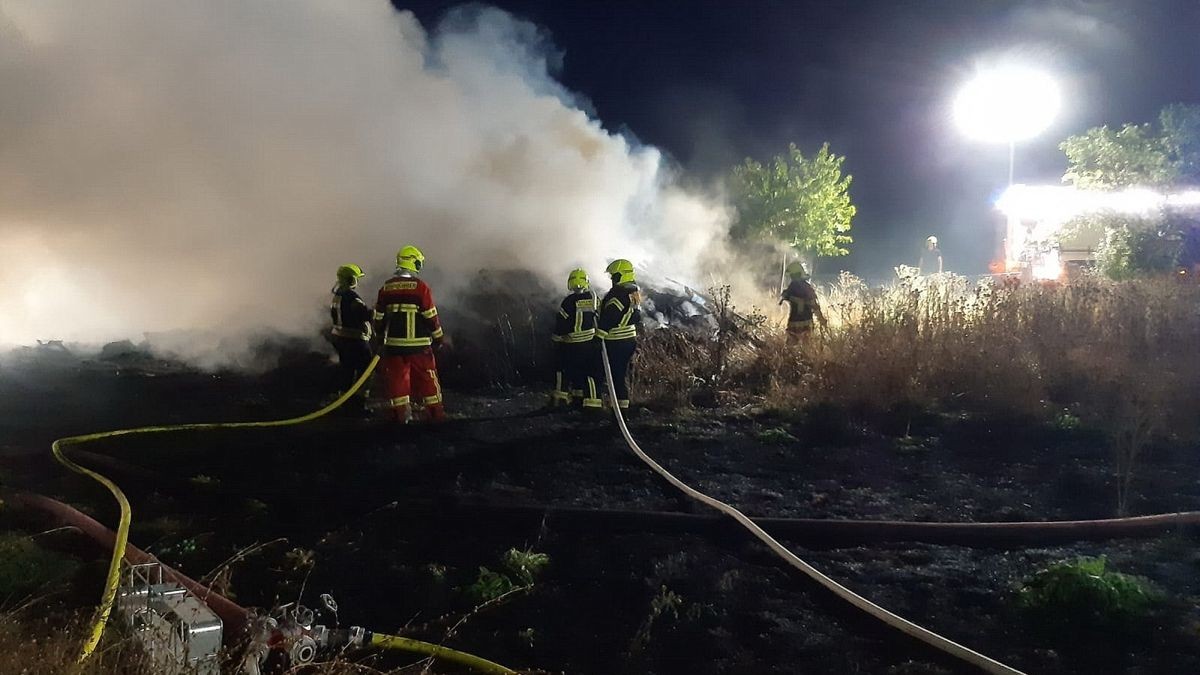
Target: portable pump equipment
178, 632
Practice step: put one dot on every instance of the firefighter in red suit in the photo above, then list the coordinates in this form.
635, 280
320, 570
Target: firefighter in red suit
407, 321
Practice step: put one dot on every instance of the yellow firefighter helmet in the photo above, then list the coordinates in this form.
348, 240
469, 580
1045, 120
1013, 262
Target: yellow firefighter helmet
349, 274
578, 280
796, 270
410, 258
621, 271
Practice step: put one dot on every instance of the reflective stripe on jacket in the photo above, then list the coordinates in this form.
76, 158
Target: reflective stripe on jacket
620, 313
350, 315
406, 316
575, 321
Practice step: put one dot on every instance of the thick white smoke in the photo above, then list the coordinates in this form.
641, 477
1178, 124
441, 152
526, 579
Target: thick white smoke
205, 166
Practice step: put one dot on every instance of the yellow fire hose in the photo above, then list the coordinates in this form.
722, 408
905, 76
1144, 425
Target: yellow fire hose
118, 554
381, 641
945, 645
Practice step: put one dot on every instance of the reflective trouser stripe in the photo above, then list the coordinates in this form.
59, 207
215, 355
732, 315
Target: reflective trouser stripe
398, 402
436, 398
560, 392
593, 397
623, 404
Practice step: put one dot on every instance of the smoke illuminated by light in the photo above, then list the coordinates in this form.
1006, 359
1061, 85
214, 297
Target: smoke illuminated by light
1006, 104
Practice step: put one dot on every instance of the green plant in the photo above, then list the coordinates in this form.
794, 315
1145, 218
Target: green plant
1085, 593
520, 570
525, 565
1065, 421
490, 585
777, 436
666, 602
26, 567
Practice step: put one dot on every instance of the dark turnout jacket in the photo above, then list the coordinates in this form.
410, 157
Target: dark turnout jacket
620, 313
575, 321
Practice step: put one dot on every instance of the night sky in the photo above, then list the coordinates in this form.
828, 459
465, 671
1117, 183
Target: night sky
712, 82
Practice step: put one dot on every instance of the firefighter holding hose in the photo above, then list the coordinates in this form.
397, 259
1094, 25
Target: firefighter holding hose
617, 324
575, 345
351, 332
407, 320
801, 298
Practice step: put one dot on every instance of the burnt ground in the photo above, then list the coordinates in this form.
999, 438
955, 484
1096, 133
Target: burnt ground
396, 523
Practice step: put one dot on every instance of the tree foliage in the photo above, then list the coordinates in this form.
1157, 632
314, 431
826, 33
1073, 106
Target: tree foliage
1137, 155
1103, 158
1164, 156
801, 201
1180, 126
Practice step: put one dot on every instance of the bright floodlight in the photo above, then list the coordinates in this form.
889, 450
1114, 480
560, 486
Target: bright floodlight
1007, 104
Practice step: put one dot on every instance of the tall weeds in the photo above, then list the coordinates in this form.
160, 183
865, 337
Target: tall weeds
1122, 356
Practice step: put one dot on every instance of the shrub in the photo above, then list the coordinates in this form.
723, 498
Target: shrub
520, 570
1084, 593
26, 568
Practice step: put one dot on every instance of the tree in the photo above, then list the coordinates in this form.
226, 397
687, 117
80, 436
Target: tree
1102, 158
803, 202
1165, 156
1180, 126
1137, 155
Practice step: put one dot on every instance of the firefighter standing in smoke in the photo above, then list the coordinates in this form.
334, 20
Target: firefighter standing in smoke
617, 325
351, 332
575, 345
408, 321
802, 304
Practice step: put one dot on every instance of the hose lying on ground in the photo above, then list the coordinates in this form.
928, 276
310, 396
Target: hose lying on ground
382, 641
895, 621
121, 538
234, 617
824, 531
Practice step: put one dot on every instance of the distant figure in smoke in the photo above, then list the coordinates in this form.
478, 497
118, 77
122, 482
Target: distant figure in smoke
351, 332
802, 304
408, 321
620, 314
575, 345
931, 257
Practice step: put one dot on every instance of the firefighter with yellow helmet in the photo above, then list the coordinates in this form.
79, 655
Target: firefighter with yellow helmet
620, 314
575, 345
351, 332
802, 302
407, 319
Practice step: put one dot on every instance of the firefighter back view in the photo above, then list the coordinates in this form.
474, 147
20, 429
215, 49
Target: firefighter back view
617, 325
802, 304
408, 321
351, 332
575, 345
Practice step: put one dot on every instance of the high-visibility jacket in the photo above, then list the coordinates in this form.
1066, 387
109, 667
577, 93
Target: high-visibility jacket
406, 316
802, 300
620, 313
575, 321
350, 315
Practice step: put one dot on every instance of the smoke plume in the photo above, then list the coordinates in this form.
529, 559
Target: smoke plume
205, 166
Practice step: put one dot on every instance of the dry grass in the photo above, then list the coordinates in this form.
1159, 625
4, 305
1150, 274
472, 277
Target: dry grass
1122, 356
946, 342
